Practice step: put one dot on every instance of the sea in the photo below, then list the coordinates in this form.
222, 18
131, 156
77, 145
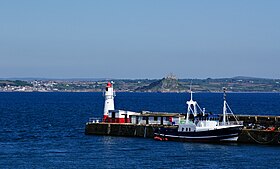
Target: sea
47, 130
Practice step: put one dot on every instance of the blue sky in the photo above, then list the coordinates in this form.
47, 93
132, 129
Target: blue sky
139, 39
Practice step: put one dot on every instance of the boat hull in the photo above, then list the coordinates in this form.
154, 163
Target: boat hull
228, 134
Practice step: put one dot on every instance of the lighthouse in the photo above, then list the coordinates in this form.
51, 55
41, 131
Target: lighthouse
109, 100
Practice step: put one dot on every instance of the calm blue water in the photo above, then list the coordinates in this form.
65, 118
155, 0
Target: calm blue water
46, 130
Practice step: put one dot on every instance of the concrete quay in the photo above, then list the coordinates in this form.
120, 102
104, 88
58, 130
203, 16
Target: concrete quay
120, 129
257, 129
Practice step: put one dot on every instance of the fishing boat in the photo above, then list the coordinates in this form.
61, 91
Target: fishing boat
202, 126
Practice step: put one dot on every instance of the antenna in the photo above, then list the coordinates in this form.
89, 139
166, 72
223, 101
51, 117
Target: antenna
191, 90
225, 107
224, 89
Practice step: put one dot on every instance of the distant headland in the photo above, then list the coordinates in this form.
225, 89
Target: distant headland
167, 84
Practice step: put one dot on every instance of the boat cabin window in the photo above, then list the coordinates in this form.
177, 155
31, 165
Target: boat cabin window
189, 129
144, 118
182, 128
155, 118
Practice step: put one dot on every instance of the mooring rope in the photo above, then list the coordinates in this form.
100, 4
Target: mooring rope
145, 130
135, 131
268, 142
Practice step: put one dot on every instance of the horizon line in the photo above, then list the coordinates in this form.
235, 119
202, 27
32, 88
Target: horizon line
105, 78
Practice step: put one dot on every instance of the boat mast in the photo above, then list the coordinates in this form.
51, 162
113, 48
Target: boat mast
225, 107
192, 106
189, 107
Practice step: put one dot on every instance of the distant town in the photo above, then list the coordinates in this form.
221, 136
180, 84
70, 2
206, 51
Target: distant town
166, 84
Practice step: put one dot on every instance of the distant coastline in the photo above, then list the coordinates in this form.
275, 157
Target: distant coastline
169, 84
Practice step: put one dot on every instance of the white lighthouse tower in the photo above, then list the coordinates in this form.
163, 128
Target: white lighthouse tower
109, 100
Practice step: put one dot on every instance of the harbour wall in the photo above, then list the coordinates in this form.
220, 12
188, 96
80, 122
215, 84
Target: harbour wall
255, 136
121, 129
257, 129
257, 120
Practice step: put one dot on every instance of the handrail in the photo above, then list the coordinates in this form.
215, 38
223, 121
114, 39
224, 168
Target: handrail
231, 123
94, 120
220, 123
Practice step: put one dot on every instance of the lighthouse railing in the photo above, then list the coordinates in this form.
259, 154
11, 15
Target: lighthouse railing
94, 120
